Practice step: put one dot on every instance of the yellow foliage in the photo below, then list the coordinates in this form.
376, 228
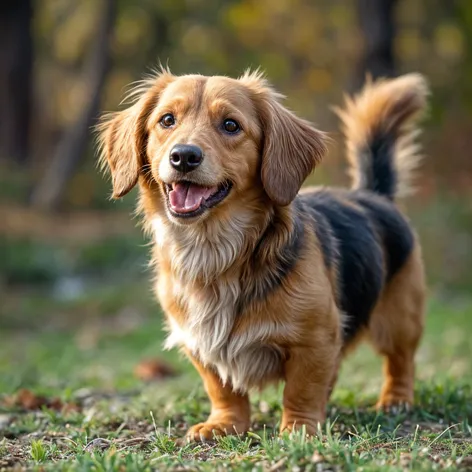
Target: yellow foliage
318, 80
75, 33
131, 30
196, 39
449, 41
409, 44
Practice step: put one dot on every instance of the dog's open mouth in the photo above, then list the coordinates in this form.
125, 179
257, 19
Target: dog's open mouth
187, 199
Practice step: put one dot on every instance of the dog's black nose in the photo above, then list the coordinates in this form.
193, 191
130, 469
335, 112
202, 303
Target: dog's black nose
185, 157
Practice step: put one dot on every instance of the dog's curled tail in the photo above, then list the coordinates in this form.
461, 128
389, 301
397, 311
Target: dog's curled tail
380, 128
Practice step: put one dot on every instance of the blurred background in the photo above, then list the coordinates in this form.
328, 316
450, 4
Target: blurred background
74, 287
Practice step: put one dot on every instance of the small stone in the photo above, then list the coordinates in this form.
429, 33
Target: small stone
5, 420
316, 458
98, 444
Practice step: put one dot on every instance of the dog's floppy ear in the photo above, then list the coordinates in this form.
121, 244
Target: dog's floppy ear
123, 136
291, 146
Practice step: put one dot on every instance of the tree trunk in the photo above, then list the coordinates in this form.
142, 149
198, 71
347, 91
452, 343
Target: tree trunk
376, 20
16, 69
50, 190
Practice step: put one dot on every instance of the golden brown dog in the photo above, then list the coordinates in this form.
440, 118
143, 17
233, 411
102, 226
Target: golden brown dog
259, 282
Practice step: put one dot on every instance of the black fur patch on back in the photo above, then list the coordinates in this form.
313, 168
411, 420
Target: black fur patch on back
323, 231
360, 263
392, 227
268, 273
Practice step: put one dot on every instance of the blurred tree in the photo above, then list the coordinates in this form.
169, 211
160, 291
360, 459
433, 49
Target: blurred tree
72, 146
311, 51
376, 19
16, 68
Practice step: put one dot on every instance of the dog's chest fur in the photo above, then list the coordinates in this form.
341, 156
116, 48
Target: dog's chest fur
206, 317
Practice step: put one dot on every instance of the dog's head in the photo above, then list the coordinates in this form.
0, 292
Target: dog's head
207, 141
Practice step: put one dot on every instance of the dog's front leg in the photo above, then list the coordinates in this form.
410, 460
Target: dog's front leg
309, 373
230, 411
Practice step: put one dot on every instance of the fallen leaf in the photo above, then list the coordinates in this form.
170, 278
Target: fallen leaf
55, 404
153, 369
70, 407
28, 400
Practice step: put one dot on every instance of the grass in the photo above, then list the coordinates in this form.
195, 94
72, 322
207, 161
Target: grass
76, 320
84, 352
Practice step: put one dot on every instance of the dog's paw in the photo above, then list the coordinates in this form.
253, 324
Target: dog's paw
209, 430
394, 406
290, 427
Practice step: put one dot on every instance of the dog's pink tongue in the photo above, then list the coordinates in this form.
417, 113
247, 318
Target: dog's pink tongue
186, 197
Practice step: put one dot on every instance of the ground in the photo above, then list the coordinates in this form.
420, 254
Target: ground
86, 386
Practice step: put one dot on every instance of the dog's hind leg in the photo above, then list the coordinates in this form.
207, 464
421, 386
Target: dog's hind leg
395, 330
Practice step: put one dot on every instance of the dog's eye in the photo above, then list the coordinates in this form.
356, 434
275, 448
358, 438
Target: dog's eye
231, 126
167, 120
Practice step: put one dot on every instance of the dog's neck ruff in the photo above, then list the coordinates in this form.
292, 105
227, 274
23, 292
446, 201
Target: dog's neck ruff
216, 275
204, 252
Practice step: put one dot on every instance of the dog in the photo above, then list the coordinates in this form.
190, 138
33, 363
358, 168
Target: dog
260, 281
